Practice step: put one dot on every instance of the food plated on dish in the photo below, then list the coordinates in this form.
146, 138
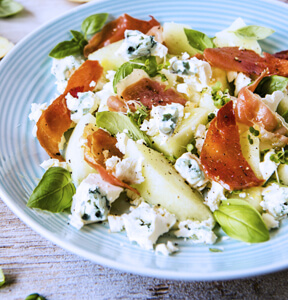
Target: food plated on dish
190, 131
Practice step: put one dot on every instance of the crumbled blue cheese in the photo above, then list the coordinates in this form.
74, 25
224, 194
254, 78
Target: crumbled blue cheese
270, 221
214, 196
198, 232
275, 200
268, 167
86, 102
273, 100
137, 44
92, 200
53, 162
63, 68
196, 74
116, 223
36, 112
145, 224
166, 249
188, 167
128, 169
163, 120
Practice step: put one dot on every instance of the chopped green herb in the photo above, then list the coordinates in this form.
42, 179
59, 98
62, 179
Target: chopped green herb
280, 156
220, 98
139, 115
215, 250
2, 277
250, 140
211, 116
35, 296
254, 131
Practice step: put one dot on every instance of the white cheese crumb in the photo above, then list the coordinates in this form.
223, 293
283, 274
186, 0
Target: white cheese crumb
116, 223
92, 83
198, 232
273, 100
53, 162
122, 140
166, 249
128, 169
214, 196
145, 224
270, 221
36, 112
275, 200
92, 201
268, 167
241, 81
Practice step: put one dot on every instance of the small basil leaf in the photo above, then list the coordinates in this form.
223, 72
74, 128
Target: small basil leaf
123, 71
198, 40
93, 23
65, 48
9, 8
149, 65
54, 191
253, 32
270, 84
241, 221
35, 296
146, 63
116, 122
77, 35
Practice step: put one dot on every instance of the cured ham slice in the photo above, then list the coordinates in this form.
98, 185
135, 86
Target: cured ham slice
281, 54
221, 156
250, 109
114, 31
246, 61
55, 120
98, 143
150, 92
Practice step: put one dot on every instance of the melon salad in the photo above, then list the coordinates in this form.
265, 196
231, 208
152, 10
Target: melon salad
159, 129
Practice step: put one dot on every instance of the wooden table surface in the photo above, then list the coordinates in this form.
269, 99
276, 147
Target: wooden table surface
33, 264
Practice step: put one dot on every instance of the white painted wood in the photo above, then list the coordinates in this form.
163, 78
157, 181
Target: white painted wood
32, 264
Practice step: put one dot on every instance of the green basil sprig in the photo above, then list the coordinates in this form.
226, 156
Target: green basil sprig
241, 221
54, 191
9, 8
89, 26
116, 122
145, 63
253, 32
198, 40
270, 84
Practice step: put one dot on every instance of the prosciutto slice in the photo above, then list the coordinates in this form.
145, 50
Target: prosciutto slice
246, 61
221, 156
152, 93
55, 120
98, 142
114, 32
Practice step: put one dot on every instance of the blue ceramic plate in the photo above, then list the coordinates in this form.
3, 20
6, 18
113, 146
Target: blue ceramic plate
25, 78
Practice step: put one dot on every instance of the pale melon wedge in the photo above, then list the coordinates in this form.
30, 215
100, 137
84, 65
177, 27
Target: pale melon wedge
163, 185
107, 57
183, 134
283, 173
75, 154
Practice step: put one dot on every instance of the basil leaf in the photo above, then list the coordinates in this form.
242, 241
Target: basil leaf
253, 32
124, 70
64, 49
9, 8
2, 277
198, 40
54, 191
146, 63
77, 35
35, 296
93, 23
116, 122
270, 84
241, 221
